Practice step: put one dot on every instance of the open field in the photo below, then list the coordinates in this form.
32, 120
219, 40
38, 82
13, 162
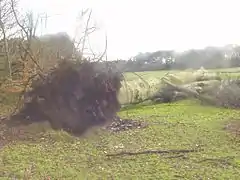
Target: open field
159, 74
41, 153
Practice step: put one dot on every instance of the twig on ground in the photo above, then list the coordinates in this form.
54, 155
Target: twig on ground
223, 160
155, 152
177, 156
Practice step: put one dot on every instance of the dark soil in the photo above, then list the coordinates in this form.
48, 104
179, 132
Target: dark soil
125, 124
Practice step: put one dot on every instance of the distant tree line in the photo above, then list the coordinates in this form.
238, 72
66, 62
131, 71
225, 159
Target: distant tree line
209, 57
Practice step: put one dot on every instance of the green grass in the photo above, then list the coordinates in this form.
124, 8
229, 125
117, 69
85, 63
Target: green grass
182, 125
145, 75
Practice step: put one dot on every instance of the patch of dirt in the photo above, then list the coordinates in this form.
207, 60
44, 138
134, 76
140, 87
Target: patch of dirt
119, 124
10, 133
234, 127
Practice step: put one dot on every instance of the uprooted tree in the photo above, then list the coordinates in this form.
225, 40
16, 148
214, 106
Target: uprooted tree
74, 94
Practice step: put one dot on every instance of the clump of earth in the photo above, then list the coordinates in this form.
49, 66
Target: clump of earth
120, 124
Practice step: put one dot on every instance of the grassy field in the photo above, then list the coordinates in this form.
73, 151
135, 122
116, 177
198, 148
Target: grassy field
184, 125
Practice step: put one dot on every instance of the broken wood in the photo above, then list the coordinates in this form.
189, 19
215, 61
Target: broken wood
191, 92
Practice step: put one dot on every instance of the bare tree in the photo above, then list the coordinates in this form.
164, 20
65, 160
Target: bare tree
83, 31
7, 29
22, 29
28, 27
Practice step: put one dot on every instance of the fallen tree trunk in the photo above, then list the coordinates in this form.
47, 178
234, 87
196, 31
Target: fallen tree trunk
191, 93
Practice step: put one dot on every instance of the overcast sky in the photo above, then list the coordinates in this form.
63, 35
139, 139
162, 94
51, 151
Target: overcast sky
147, 25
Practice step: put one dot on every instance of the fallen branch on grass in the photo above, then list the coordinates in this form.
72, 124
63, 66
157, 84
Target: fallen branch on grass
176, 151
191, 92
177, 156
169, 95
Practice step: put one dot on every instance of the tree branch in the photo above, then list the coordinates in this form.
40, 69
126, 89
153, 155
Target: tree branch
176, 151
86, 31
